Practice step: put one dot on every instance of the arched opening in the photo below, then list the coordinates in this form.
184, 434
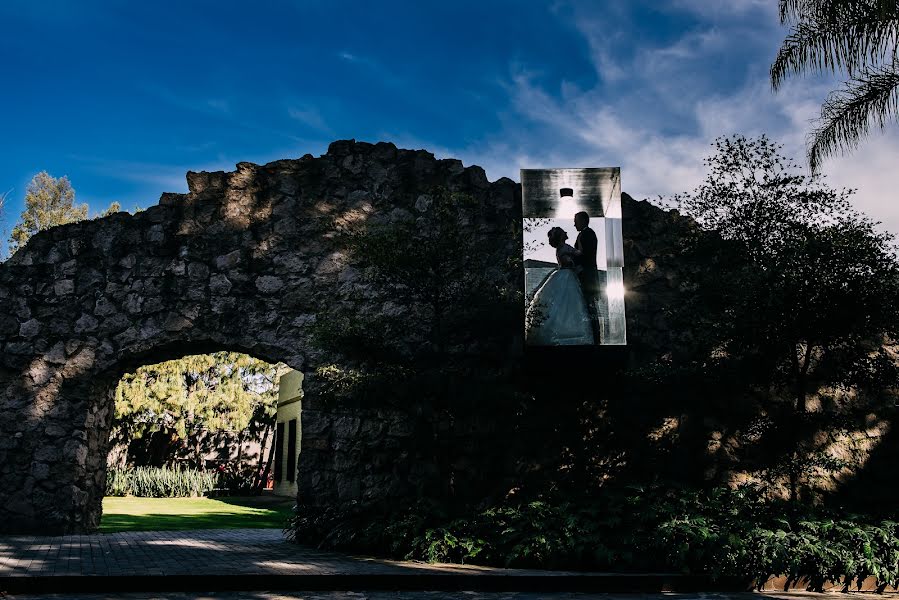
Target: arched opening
185, 440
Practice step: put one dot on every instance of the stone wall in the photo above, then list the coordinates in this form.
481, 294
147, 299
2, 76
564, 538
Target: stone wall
242, 262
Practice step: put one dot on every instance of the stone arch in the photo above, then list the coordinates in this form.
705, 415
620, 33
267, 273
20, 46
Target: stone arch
91, 394
241, 262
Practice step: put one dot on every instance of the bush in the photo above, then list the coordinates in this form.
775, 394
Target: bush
118, 482
237, 479
159, 482
722, 533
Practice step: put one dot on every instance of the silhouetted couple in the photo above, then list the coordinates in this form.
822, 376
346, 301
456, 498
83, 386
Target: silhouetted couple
564, 308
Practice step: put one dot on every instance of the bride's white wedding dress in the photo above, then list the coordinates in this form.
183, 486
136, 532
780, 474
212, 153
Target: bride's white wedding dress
557, 316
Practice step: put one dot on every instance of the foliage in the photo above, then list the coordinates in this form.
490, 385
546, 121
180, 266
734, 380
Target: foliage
805, 307
238, 479
159, 482
181, 400
118, 481
48, 202
113, 208
858, 37
819, 278
720, 532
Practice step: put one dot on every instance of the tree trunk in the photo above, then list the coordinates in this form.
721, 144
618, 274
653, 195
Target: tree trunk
800, 373
240, 441
258, 478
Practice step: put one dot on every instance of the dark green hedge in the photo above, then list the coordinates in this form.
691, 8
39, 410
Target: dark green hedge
721, 532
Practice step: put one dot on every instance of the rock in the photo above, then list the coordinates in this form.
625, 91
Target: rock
423, 203
228, 261
57, 354
268, 284
86, 323
197, 271
104, 307
64, 287
48, 454
40, 372
40, 471
219, 285
30, 328
55, 431
176, 322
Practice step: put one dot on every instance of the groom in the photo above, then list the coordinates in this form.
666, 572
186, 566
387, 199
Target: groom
589, 275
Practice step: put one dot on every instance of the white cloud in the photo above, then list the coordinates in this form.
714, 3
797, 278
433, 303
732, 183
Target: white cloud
872, 170
664, 109
728, 8
310, 116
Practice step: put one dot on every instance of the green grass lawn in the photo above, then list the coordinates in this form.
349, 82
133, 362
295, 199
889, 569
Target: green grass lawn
160, 514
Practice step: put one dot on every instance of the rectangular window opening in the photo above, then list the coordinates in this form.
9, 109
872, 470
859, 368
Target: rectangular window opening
279, 452
292, 450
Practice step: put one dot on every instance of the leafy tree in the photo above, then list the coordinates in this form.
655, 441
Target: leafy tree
166, 410
807, 305
858, 37
114, 207
48, 202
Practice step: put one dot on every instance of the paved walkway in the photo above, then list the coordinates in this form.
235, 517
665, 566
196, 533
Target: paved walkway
425, 595
260, 559
199, 552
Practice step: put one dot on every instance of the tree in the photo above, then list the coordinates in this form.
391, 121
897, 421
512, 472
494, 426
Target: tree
114, 207
48, 202
167, 410
856, 36
807, 307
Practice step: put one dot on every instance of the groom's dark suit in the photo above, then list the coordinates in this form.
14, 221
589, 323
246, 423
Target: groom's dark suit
589, 275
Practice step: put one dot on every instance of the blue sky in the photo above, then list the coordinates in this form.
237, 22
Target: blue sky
124, 97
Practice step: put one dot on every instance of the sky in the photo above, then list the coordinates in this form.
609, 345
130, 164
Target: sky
124, 97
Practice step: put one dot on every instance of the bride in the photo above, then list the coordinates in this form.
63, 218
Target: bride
557, 316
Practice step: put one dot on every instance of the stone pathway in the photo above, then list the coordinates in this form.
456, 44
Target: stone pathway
199, 552
222, 561
434, 596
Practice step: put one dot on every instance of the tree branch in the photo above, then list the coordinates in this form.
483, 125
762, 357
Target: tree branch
847, 114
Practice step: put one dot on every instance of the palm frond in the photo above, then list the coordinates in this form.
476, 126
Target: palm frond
833, 11
851, 46
848, 113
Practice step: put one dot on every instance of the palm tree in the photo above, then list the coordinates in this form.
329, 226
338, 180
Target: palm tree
855, 36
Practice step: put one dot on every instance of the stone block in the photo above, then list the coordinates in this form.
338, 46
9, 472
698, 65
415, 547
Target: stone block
64, 287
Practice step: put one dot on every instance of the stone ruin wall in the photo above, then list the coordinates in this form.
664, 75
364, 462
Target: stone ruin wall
241, 262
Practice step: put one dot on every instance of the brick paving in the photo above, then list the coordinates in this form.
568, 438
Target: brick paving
219, 561
430, 595
200, 552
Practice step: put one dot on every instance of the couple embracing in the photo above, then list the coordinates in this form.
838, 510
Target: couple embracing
564, 308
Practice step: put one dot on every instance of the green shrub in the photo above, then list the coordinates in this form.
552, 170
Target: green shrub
118, 482
159, 482
721, 532
237, 479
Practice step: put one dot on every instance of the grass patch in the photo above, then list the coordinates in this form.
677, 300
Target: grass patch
161, 514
